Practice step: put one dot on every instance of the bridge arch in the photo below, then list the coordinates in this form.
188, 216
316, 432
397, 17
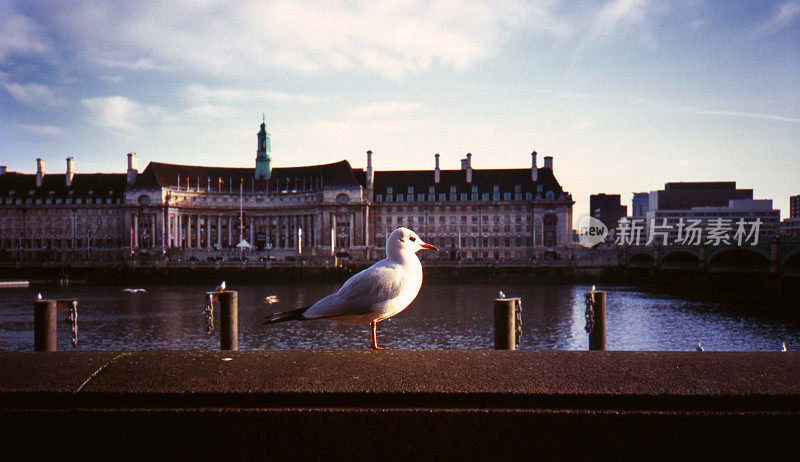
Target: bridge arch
680, 260
790, 265
739, 260
641, 260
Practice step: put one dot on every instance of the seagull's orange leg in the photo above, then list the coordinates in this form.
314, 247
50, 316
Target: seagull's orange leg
374, 325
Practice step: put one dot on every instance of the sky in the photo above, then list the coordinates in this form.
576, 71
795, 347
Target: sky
626, 95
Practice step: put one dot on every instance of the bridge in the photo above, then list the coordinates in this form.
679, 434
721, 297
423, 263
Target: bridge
780, 257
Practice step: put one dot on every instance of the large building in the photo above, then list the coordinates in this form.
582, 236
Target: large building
188, 212
607, 208
61, 217
794, 206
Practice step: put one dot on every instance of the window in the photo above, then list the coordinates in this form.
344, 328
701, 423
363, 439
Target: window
550, 230
379, 198
550, 195
411, 190
452, 189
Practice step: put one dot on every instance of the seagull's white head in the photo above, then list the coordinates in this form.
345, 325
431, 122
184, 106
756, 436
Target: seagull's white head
404, 241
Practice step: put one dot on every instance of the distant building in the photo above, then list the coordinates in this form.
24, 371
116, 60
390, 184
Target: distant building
684, 196
190, 211
790, 227
640, 204
794, 206
607, 208
670, 226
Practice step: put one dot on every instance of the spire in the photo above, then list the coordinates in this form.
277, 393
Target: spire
263, 169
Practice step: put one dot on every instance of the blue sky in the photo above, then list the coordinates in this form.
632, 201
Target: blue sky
624, 94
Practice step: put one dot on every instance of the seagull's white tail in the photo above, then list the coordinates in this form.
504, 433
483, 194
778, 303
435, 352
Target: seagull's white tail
291, 315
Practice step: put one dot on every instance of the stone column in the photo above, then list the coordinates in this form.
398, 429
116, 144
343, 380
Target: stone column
199, 242
219, 231
188, 231
208, 232
135, 230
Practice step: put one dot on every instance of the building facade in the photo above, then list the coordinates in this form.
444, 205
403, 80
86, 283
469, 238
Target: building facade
794, 206
607, 208
188, 212
61, 217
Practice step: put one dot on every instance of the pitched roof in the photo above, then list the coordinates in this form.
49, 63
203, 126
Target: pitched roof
159, 174
485, 180
98, 184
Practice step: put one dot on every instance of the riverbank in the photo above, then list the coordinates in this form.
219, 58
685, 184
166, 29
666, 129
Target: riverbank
451, 405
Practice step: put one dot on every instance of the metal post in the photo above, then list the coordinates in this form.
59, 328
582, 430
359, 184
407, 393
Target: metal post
597, 336
505, 328
229, 320
45, 331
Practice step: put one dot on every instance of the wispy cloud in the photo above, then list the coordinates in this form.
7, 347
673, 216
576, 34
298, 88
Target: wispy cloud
748, 115
201, 94
385, 109
48, 130
392, 39
117, 112
32, 94
782, 16
19, 35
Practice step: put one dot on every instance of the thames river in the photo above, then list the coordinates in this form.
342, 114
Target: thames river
444, 316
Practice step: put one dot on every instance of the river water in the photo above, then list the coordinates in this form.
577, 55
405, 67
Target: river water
444, 316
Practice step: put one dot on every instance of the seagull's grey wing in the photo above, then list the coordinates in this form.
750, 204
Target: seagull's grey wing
359, 294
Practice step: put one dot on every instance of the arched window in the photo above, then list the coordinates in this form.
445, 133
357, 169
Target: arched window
550, 195
550, 230
342, 198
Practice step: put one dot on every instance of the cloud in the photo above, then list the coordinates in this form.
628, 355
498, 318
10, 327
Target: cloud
117, 112
50, 130
32, 94
784, 15
748, 115
393, 39
385, 109
201, 94
620, 12
19, 35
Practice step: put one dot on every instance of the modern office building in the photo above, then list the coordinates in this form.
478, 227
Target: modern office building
607, 208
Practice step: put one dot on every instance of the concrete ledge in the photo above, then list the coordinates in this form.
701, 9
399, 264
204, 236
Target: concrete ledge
450, 404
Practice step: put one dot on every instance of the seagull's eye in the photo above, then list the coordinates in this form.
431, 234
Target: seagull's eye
413, 238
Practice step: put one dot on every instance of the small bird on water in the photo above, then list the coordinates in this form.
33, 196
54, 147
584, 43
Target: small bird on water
374, 294
220, 287
699, 347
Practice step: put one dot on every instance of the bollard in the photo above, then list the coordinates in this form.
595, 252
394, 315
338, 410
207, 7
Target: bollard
505, 325
229, 320
596, 319
45, 332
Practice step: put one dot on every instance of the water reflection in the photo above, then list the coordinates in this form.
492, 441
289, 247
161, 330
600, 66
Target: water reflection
444, 316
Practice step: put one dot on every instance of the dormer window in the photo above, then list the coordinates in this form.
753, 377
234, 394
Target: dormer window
452, 189
410, 189
431, 189
51, 192
389, 190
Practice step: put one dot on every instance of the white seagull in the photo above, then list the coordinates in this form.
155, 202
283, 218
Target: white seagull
699, 347
376, 293
220, 287
783, 348
39, 296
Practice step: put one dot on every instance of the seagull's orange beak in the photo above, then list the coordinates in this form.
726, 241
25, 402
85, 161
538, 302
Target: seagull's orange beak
425, 245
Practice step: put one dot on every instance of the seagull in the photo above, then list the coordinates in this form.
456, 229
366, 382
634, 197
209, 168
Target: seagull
271, 299
374, 294
699, 347
501, 294
39, 296
220, 287
783, 348
133, 291
593, 289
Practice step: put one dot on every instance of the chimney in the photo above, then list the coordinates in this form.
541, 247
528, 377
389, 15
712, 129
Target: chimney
534, 168
39, 171
370, 173
132, 168
70, 170
548, 162
3, 169
437, 174
469, 167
